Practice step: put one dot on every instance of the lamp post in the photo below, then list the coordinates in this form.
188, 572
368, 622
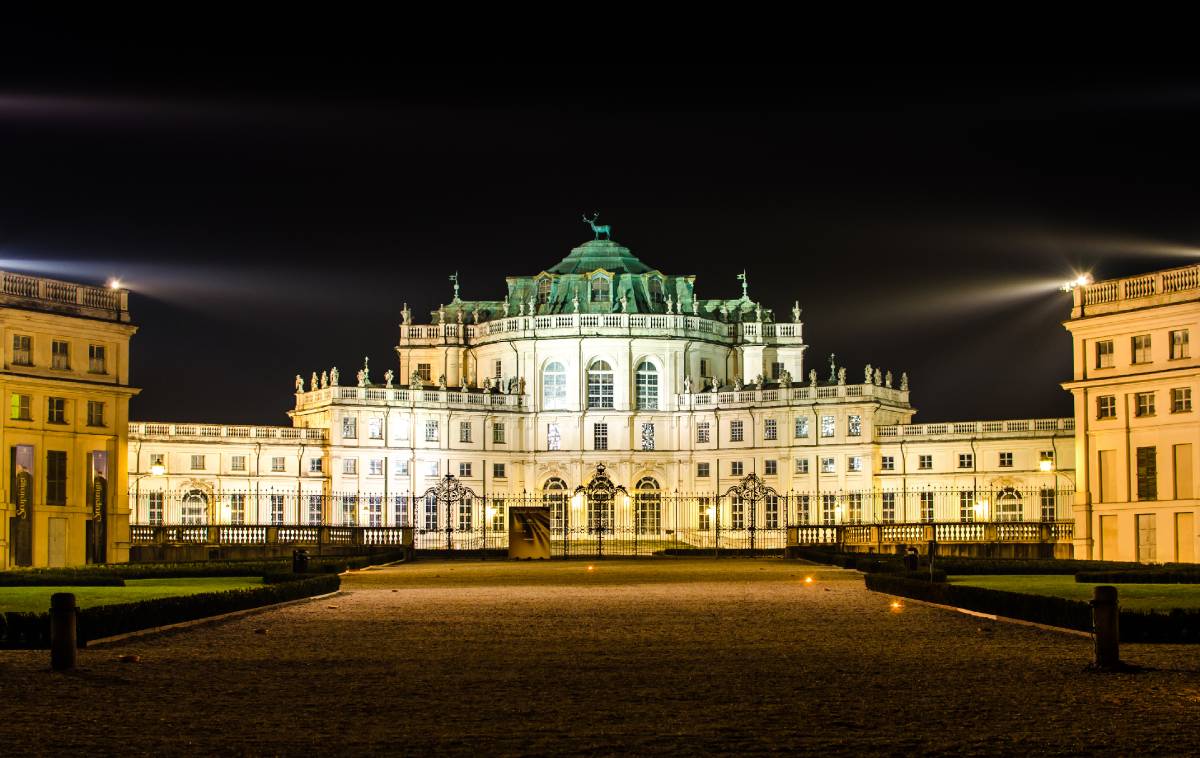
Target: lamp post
156, 469
599, 490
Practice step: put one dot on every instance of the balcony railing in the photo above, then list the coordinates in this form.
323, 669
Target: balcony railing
38, 291
567, 324
153, 430
431, 396
1145, 285
959, 429
788, 395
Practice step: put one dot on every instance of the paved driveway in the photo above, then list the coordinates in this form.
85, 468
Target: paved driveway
653, 656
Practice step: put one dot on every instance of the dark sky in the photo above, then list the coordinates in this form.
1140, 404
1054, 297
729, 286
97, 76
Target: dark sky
272, 212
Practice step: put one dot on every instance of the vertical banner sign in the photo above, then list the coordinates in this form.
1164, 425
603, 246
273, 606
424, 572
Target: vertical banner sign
529, 533
20, 529
98, 505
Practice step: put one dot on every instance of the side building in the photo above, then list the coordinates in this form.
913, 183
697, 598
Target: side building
65, 382
1137, 435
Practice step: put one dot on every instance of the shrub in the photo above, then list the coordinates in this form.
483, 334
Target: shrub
979, 566
60, 577
1142, 576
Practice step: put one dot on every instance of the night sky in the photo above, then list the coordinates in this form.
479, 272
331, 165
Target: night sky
272, 213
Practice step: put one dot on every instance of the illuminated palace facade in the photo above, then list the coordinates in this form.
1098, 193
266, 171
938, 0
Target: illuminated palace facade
602, 360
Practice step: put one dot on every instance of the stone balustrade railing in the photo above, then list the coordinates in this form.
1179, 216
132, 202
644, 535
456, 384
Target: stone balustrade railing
789, 396
958, 429
1116, 291
567, 324
427, 397
104, 302
153, 430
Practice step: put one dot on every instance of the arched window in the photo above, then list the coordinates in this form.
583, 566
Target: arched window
554, 496
656, 291
648, 504
554, 387
600, 385
647, 386
1008, 505
194, 508
600, 290
543, 290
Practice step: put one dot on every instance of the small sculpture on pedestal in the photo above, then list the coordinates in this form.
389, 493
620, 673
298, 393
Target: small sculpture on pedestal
406, 315
441, 315
878, 377
459, 317
388, 376
333, 377
532, 305
758, 312
812, 378
695, 307
442, 382
624, 304
868, 374
575, 303
785, 379
299, 384
758, 382
737, 384
324, 379
903, 381
687, 384
670, 303
315, 382
414, 380
521, 386
715, 385
887, 380
796, 312
841, 376
475, 314
505, 305
521, 306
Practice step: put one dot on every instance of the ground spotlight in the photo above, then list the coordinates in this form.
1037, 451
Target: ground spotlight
897, 606
808, 580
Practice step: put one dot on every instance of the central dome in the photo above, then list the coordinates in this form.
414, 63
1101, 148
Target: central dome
604, 254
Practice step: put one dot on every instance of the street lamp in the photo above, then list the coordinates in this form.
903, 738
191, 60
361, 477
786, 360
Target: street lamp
156, 469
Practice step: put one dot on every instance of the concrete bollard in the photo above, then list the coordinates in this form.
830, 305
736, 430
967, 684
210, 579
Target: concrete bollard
1106, 619
62, 631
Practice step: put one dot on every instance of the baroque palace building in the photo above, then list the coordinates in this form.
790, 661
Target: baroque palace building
65, 382
604, 361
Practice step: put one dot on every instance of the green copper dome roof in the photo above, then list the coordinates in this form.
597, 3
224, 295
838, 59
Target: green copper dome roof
604, 254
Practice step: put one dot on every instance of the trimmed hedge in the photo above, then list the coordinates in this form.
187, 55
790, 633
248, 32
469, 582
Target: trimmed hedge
60, 578
1173, 626
981, 566
1143, 576
32, 630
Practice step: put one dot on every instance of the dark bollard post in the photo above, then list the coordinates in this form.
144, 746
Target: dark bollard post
1105, 622
62, 631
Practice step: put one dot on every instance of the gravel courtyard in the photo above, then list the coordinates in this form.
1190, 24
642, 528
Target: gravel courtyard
653, 656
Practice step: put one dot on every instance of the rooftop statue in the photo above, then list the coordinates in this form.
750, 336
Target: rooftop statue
670, 303
812, 377
459, 317
475, 314
575, 302
758, 312
333, 377
695, 307
366, 370
841, 376
624, 304
441, 381
521, 386
314, 382
878, 377
406, 314
687, 384
785, 379
869, 373
796, 312
737, 384
598, 229
299, 384
887, 380
324, 379
362, 381
388, 376
414, 380
505, 305
715, 385
903, 381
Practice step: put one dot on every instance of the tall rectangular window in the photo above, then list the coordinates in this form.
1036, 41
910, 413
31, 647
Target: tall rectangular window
237, 508
1181, 400
374, 510
498, 471
375, 467
1147, 473
1104, 354
854, 507
22, 350
854, 425
705, 368
375, 428
770, 429
704, 514
888, 507
772, 512
400, 510
599, 436
1147, 534
553, 438
60, 355
1143, 404
1140, 346
600, 385
498, 369
770, 468
498, 433
349, 428
56, 410
1106, 406
464, 431
647, 436
19, 409
314, 510
237, 463
154, 509
927, 506
1048, 503
431, 431
350, 466
498, 523
828, 509
735, 431
95, 413
802, 511
431, 512
56, 477
97, 359
1179, 344
966, 505
801, 465
702, 432
424, 372
1183, 471
197, 463
465, 508
276, 510
278, 465
828, 426
349, 510
828, 465
801, 427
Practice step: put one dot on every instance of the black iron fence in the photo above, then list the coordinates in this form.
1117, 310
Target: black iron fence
641, 522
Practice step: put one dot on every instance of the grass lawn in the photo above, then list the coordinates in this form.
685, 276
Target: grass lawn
1135, 597
37, 599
